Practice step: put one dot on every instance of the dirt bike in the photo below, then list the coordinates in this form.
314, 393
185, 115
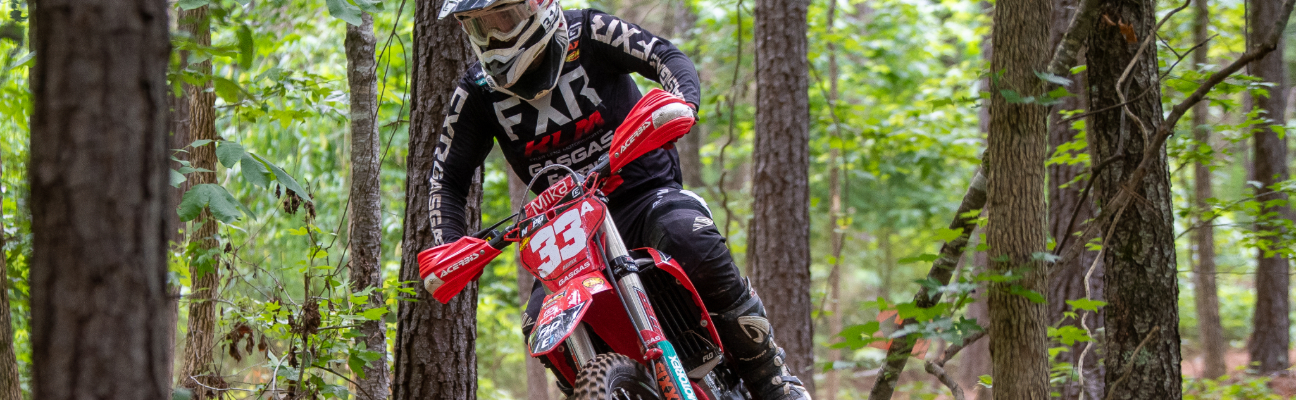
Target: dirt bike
616, 323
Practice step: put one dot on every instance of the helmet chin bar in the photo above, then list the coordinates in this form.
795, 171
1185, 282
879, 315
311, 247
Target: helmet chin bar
542, 74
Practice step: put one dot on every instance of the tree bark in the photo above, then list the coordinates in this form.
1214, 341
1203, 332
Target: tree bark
98, 188
1015, 203
435, 343
1270, 339
1206, 295
10, 383
779, 249
537, 382
178, 120
1067, 279
199, 369
1139, 253
836, 233
366, 208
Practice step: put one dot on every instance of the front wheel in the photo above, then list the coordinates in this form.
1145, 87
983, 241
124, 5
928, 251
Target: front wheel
615, 377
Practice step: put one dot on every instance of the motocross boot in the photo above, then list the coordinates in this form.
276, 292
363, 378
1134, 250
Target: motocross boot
749, 344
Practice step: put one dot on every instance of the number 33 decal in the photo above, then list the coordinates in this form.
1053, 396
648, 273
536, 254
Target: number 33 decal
545, 241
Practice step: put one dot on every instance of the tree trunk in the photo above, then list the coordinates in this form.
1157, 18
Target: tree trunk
1067, 281
366, 208
10, 384
1270, 339
98, 188
678, 21
199, 367
779, 249
1139, 254
537, 383
1016, 207
178, 120
435, 343
1206, 297
836, 233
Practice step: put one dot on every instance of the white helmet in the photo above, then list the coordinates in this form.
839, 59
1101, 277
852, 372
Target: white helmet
520, 43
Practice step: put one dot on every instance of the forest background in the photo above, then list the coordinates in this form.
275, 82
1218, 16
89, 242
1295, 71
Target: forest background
898, 94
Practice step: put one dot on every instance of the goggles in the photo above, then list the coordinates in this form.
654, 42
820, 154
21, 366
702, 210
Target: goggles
502, 24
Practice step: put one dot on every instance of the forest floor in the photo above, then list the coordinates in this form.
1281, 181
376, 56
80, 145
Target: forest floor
914, 381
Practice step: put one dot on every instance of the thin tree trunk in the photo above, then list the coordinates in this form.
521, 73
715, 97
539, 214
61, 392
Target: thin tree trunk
1139, 253
178, 120
10, 385
366, 208
832, 378
98, 188
537, 383
1018, 147
1067, 280
199, 368
678, 21
1270, 339
779, 249
1206, 297
435, 343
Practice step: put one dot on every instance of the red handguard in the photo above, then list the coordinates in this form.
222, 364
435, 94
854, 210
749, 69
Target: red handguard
447, 269
655, 121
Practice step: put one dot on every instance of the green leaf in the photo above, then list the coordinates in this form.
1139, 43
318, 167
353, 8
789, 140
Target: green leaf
920, 258
192, 4
199, 143
985, 380
1033, 296
1013, 97
343, 10
287, 180
229, 153
247, 47
1086, 304
374, 314
181, 394
226, 89
370, 6
21, 61
212, 196
177, 178
1054, 79
1078, 69
947, 234
255, 171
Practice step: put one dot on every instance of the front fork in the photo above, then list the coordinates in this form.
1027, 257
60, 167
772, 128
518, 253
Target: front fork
657, 349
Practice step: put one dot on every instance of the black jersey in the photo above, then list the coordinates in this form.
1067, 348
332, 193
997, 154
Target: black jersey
571, 125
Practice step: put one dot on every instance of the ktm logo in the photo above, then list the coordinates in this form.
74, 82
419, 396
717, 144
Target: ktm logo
667, 385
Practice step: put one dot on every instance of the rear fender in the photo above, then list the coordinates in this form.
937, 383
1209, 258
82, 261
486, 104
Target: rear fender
562, 312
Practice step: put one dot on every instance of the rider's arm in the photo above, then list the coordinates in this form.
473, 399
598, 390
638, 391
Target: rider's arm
460, 149
629, 48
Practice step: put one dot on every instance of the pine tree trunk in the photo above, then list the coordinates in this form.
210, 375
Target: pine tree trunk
1270, 340
537, 383
10, 385
1067, 281
1141, 281
98, 188
199, 367
1018, 146
779, 248
1206, 296
435, 343
366, 208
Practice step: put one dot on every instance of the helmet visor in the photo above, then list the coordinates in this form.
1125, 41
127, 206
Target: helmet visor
502, 24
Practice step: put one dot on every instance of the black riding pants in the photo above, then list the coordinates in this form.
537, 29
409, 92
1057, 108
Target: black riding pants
676, 222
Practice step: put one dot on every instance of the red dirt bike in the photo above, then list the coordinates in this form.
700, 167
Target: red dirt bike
617, 323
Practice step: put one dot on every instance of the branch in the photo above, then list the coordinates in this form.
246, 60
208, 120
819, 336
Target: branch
941, 271
1130, 367
954, 388
1064, 57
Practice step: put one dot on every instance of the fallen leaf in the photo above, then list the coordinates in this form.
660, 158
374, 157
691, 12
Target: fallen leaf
1128, 31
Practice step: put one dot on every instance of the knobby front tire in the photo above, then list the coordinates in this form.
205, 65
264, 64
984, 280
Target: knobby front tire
615, 377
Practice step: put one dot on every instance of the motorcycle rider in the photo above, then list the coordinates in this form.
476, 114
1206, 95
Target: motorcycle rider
552, 86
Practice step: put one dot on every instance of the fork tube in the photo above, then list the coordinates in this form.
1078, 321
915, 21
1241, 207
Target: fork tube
582, 349
629, 283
